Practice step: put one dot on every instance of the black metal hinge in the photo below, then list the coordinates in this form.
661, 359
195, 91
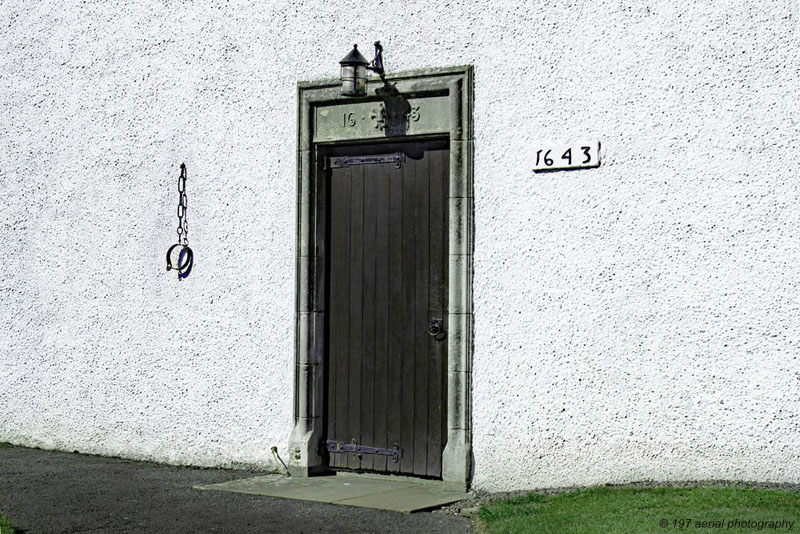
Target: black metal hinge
346, 161
341, 447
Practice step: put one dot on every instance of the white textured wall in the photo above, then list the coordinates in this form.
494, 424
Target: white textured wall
640, 320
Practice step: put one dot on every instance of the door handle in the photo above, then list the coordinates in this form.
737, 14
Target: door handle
436, 329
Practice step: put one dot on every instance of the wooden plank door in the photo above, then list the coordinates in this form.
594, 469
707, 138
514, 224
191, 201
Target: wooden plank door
387, 280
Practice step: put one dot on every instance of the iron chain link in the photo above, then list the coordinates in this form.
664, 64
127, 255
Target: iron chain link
183, 205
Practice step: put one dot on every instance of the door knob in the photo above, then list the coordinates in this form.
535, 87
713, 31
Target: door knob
436, 329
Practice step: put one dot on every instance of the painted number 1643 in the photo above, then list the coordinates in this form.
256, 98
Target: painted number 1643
556, 157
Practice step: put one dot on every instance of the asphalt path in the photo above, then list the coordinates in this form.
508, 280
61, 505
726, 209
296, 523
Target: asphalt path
46, 492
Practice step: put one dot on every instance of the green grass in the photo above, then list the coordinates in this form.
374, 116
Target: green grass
640, 510
5, 525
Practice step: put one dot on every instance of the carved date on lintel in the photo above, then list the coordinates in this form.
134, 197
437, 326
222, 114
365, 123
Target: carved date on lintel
383, 119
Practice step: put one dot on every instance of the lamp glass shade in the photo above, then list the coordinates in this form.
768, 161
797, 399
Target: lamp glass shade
354, 80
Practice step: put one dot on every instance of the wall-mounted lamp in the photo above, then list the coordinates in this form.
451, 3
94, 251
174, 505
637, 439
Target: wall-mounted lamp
354, 70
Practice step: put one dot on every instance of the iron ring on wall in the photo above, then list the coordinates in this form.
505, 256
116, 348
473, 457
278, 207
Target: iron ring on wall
184, 267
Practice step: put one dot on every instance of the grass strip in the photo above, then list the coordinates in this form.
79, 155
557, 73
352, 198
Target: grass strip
646, 510
6, 527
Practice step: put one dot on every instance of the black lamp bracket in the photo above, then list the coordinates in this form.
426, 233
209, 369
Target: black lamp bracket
377, 63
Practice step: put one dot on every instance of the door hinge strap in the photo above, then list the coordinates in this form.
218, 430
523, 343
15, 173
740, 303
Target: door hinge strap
346, 161
341, 447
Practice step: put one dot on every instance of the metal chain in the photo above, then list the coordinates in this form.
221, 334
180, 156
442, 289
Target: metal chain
185, 256
183, 205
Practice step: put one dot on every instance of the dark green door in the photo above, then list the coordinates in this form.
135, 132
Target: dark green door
387, 280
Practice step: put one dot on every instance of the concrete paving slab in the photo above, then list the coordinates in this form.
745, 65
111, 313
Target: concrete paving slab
318, 489
402, 495
411, 499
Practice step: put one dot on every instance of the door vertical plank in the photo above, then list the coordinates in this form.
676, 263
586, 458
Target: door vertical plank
439, 174
381, 413
331, 305
422, 318
339, 308
444, 302
356, 309
367, 416
409, 323
395, 309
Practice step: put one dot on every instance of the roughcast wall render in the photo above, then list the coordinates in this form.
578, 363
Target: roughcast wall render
638, 320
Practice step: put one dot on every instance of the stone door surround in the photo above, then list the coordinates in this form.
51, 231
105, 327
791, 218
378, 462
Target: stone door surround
430, 103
